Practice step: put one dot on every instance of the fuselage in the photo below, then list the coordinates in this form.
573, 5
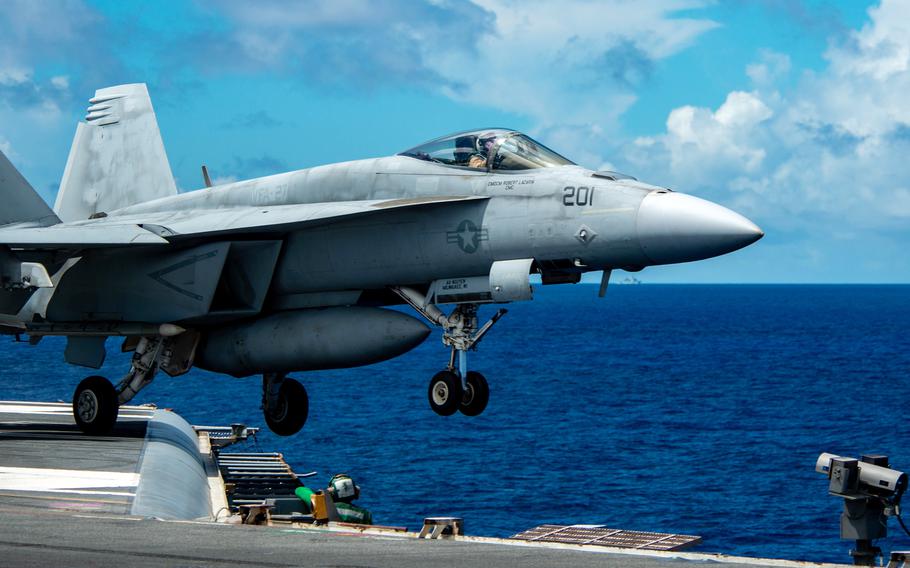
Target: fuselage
564, 217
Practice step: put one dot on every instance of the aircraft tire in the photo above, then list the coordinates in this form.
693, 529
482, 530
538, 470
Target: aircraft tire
476, 396
292, 409
445, 393
95, 405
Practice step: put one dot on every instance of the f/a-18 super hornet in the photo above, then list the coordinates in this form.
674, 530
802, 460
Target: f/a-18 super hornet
291, 272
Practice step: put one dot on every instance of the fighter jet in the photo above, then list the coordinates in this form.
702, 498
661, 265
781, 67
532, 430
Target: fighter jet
295, 272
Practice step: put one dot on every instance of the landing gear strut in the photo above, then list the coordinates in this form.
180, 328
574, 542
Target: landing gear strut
96, 402
285, 404
455, 388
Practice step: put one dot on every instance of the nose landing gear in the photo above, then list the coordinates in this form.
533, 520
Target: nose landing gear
455, 388
447, 394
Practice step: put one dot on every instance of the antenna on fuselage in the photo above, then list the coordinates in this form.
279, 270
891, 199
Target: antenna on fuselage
205, 176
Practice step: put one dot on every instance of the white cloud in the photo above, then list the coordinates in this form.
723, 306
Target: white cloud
343, 44
572, 67
19, 90
561, 65
38, 36
13, 76
831, 148
881, 49
770, 67
61, 82
6, 147
863, 91
702, 145
222, 180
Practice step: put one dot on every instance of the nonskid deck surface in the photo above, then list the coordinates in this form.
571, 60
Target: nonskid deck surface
149, 465
69, 499
58, 539
47, 462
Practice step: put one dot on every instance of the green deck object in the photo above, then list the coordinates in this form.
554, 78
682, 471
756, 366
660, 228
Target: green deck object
305, 493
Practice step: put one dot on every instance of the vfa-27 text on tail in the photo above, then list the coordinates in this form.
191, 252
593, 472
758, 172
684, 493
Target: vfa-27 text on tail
290, 272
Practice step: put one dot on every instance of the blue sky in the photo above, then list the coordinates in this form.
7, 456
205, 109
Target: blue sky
794, 113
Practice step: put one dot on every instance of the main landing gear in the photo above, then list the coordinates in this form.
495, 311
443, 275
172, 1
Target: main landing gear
96, 402
285, 404
455, 388
95, 406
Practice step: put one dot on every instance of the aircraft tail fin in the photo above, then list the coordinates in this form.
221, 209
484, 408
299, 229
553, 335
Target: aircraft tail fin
20, 201
117, 158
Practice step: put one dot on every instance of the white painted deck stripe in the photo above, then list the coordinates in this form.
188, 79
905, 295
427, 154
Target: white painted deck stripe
64, 480
35, 409
61, 409
91, 492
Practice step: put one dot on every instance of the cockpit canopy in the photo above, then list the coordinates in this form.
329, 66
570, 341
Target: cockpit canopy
493, 148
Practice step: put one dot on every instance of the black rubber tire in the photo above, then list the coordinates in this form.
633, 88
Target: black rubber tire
445, 393
292, 410
95, 406
476, 396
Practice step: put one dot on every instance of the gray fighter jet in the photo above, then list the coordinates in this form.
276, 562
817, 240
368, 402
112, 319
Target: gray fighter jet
290, 272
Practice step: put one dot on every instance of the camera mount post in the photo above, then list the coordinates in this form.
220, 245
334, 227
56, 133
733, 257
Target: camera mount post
871, 492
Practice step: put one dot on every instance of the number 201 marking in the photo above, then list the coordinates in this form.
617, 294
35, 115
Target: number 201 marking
580, 196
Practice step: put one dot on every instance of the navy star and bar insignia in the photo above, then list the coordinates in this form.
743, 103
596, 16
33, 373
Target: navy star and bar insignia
467, 236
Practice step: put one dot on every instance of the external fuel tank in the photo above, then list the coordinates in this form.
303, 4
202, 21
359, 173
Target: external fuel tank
309, 340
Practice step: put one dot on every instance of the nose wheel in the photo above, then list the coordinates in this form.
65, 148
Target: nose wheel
476, 394
447, 393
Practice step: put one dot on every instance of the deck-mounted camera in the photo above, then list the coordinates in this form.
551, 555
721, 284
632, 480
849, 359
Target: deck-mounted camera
871, 491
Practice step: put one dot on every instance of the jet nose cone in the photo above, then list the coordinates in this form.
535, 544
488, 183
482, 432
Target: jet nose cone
675, 227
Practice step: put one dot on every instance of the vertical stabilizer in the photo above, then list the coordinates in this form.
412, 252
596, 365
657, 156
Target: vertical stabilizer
18, 201
117, 158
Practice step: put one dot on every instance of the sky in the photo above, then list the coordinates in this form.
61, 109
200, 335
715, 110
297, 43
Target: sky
793, 113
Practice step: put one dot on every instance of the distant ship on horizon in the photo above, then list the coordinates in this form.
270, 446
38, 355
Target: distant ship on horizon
629, 280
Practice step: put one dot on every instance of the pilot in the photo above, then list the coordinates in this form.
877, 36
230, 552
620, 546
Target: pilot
343, 491
464, 149
483, 145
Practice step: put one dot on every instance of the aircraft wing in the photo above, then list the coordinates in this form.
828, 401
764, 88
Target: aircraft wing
160, 228
78, 236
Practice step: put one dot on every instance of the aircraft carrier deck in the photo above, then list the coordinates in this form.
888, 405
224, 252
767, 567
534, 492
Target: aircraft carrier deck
149, 494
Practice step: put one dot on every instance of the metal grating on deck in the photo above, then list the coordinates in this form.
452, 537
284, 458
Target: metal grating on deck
254, 477
221, 437
600, 535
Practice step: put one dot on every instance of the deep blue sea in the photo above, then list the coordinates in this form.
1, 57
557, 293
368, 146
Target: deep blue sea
676, 408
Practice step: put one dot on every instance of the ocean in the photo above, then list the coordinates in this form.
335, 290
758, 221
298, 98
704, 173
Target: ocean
694, 409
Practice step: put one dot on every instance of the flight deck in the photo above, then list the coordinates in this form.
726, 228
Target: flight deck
157, 491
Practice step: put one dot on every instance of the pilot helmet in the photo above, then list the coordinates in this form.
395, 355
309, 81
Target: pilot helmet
342, 488
485, 141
